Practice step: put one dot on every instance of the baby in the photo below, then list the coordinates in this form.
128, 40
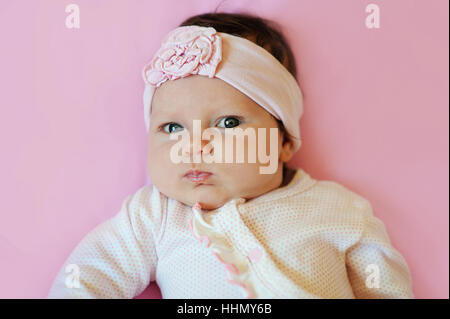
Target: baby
213, 228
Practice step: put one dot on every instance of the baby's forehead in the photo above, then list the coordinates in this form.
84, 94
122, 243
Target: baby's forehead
200, 92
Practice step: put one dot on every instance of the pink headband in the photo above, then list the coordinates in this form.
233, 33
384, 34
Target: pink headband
241, 63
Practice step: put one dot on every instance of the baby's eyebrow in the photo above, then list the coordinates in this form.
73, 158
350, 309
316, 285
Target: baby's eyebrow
165, 115
233, 112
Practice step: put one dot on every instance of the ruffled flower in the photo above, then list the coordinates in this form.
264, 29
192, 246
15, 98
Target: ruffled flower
185, 50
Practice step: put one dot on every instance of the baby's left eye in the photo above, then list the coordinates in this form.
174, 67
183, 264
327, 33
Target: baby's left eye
229, 122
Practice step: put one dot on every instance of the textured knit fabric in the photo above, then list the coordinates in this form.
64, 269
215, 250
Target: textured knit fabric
308, 239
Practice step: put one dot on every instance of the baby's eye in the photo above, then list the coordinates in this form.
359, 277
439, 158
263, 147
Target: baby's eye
229, 122
169, 128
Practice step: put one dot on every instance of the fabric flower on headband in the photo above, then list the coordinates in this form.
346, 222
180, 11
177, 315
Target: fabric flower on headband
186, 50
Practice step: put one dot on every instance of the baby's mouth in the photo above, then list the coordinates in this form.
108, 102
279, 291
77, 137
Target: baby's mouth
197, 176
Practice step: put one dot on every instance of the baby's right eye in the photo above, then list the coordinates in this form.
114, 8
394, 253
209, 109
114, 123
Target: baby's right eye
168, 127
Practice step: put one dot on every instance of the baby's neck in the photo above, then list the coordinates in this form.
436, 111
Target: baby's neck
288, 174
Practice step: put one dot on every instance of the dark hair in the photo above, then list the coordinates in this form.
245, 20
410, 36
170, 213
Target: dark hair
260, 31
263, 32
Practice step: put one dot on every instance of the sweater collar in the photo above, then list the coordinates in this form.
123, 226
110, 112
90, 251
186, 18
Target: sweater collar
299, 183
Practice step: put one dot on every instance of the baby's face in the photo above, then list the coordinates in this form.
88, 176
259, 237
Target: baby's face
216, 104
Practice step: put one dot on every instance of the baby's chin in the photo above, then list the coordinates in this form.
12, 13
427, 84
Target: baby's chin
208, 196
207, 202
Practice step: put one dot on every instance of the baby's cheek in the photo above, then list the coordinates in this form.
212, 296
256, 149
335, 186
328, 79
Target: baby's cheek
158, 149
155, 160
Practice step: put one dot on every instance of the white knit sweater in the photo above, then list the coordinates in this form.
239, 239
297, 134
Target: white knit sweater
308, 239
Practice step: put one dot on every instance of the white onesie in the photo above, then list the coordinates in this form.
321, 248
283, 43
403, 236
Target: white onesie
308, 239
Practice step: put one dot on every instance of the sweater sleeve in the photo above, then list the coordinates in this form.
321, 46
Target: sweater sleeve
117, 259
375, 268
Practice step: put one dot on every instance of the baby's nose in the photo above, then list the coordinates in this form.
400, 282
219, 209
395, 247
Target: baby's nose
195, 148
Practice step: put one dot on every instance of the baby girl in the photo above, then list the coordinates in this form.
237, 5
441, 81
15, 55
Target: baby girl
221, 229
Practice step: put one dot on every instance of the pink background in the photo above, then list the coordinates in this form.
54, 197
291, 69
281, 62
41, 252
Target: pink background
73, 140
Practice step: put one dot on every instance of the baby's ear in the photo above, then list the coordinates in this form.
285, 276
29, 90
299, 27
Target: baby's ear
287, 149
